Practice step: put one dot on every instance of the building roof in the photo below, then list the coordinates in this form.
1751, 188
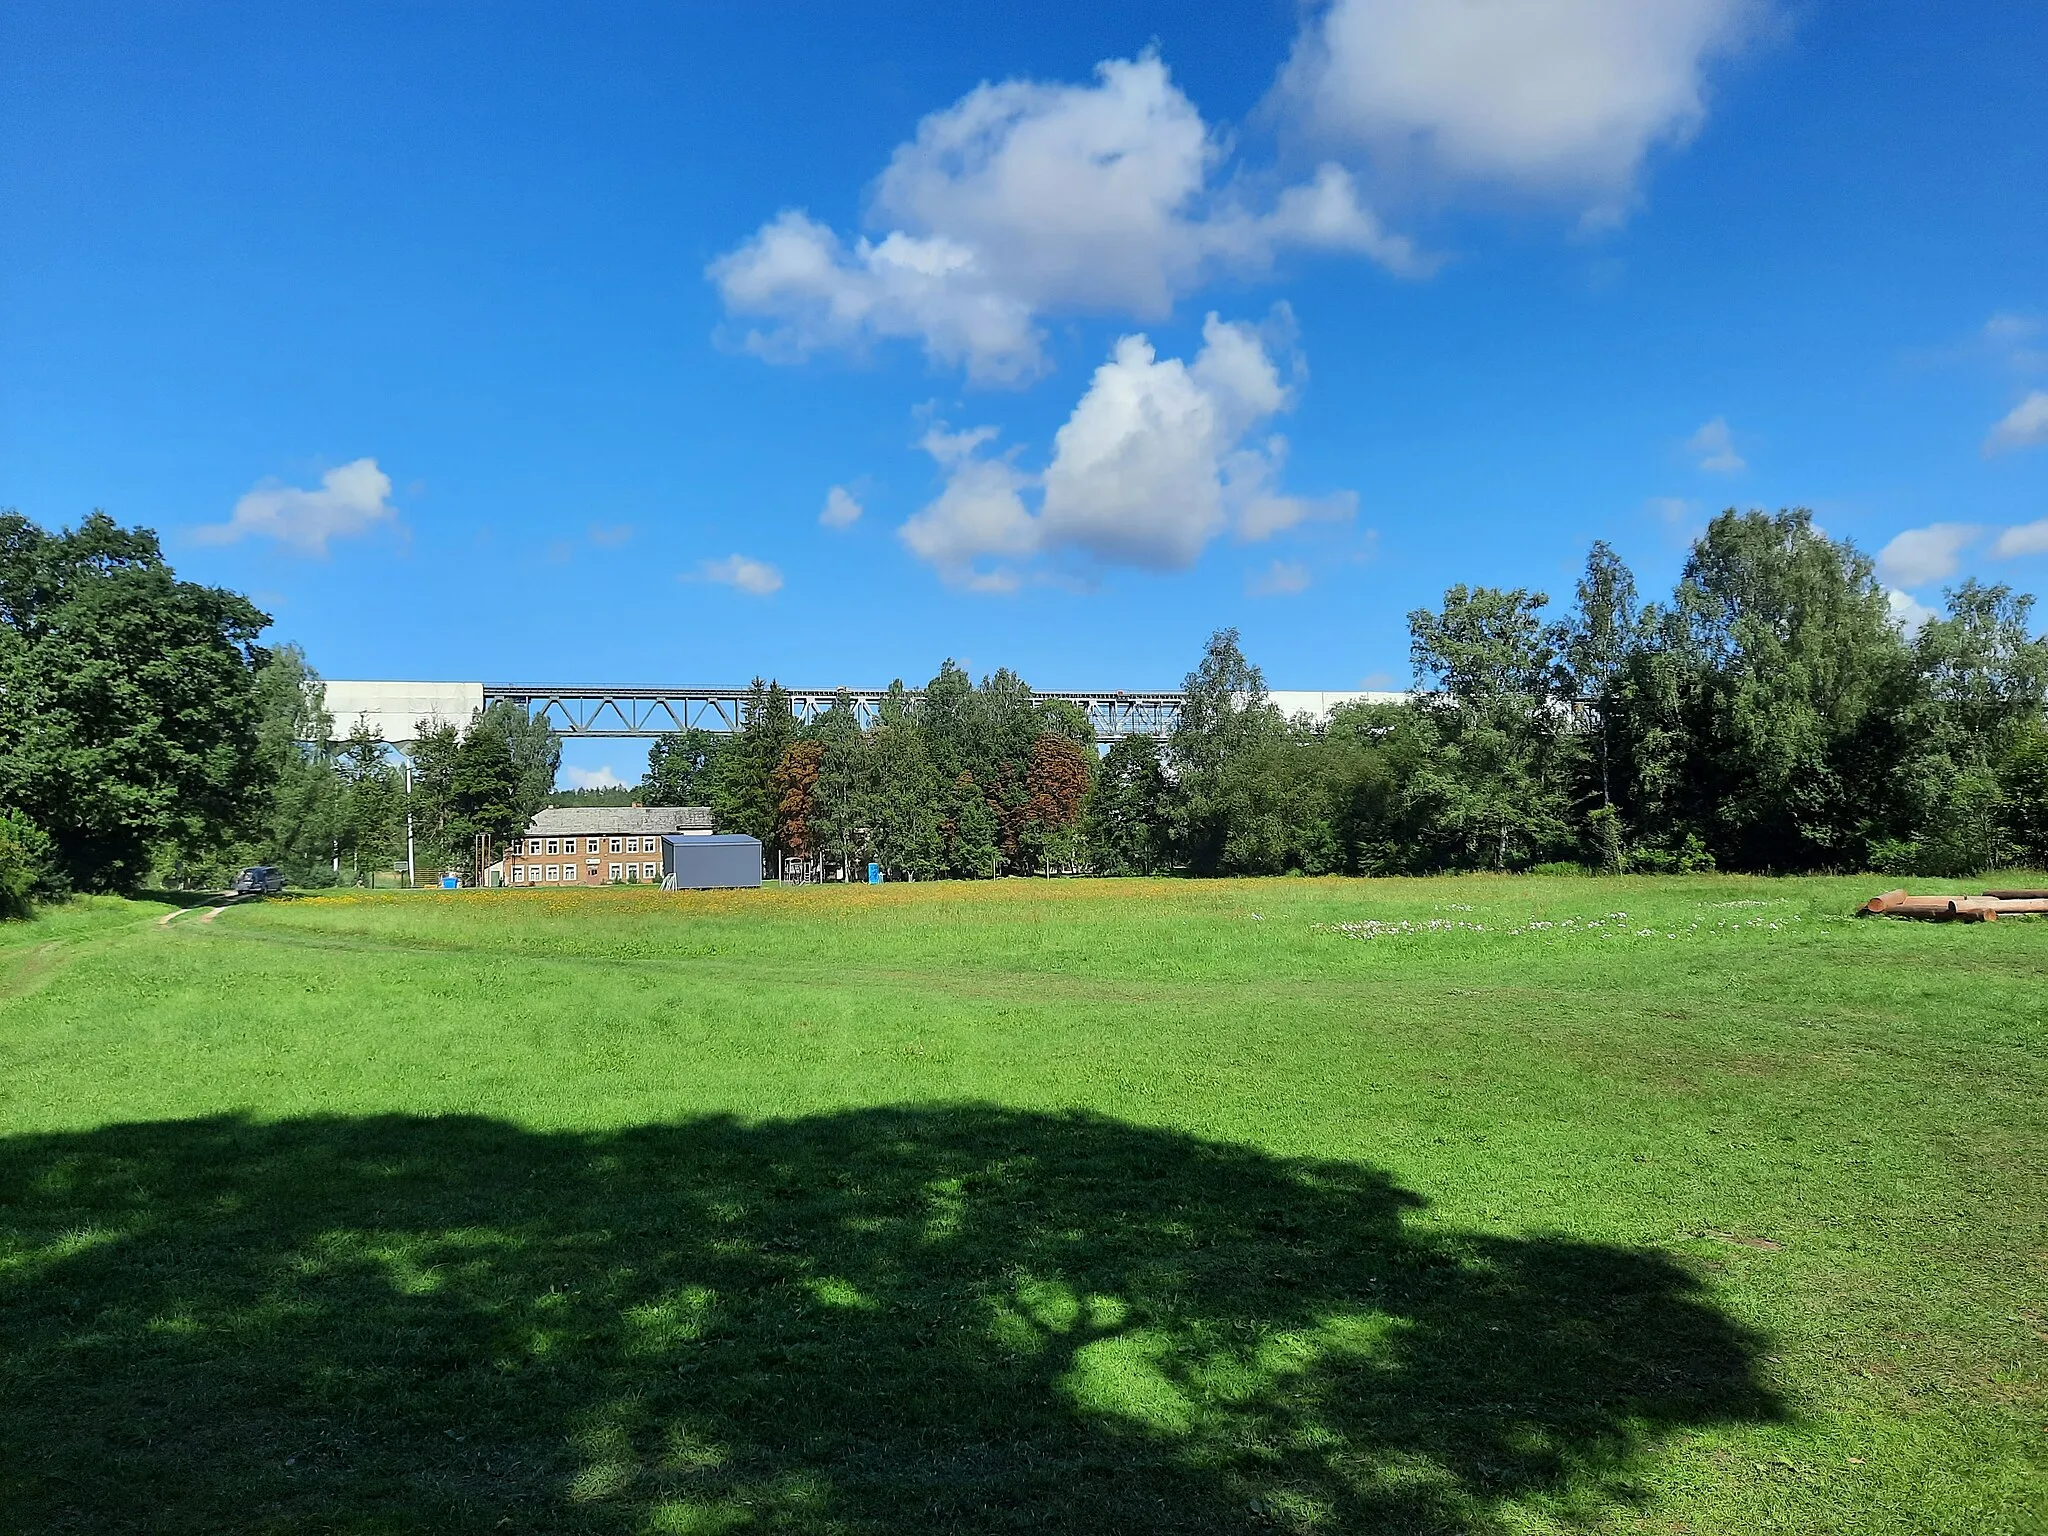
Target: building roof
603, 820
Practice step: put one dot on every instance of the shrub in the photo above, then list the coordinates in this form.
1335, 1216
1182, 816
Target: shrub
24, 864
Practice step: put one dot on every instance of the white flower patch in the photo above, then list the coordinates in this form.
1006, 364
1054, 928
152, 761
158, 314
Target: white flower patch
1614, 925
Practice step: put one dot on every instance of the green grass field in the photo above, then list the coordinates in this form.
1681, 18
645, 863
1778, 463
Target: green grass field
1293, 1205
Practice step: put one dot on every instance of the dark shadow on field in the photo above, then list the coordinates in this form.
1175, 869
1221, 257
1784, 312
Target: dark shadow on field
958, 1319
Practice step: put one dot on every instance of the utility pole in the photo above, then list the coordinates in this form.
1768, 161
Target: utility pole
411, 875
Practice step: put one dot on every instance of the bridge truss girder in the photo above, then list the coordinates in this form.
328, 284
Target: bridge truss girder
642, 712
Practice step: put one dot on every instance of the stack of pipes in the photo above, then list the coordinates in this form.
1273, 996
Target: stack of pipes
1987, 908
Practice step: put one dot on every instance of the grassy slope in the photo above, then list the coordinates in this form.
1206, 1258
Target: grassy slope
1073, 1206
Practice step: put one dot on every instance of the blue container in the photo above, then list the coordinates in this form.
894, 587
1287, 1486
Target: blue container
874, 874
723, 863
450, 883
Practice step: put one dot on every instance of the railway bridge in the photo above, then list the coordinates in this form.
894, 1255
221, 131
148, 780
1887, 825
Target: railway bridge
393, 710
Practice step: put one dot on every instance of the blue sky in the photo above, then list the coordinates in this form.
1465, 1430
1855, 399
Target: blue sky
530, 342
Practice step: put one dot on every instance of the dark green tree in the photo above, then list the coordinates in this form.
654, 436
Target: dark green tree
1593, 647
1129, 816
905, 798
1786, 691
1498, 786
298, 830
372, 818
948, 714
742, 773
1225, 719
682, 768
1963, 786
503, 771
841, 799
436, 818
128, 702
972, 834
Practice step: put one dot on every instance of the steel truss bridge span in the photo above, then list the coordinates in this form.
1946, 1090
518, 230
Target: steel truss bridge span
602, 712
393, 710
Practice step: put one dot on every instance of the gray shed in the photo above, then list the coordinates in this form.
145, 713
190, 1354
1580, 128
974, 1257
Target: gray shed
725, 862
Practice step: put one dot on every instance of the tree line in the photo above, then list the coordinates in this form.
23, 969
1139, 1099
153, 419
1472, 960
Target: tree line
1768, 714
956, 781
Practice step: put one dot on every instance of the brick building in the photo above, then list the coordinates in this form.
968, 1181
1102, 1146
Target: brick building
597, 844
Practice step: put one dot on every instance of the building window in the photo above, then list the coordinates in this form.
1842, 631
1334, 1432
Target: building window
615, 845
519, 874
554, 845
554, 872
568, 871
615, 871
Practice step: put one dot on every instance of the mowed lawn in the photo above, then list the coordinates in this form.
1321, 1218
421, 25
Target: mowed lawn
1495, 1205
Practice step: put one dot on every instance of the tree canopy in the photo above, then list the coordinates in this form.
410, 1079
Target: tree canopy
129, 709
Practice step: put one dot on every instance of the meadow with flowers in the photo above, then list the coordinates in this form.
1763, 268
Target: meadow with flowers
1492, 1204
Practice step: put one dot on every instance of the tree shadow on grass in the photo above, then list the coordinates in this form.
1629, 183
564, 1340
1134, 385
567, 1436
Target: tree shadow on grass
875, 1321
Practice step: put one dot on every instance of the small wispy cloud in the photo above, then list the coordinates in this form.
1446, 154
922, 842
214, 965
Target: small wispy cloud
2019, 341
2024, 426
842, 508
610, 535
349, 500
593, 778
1283, 578
756, 577
1715, 445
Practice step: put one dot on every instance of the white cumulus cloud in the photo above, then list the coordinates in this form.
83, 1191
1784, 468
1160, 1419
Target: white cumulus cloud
2024, 426
1921, 555
842, 508
350, 500
1555, 96
1158, 458
1715, 445
816, 292
593, 778
1025, 198
749, 575
2024, 539
979, 516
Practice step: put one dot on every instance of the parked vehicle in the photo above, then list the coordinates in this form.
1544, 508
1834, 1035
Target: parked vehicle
258, 880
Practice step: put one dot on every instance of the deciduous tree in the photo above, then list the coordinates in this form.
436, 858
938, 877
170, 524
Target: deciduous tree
128, 705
